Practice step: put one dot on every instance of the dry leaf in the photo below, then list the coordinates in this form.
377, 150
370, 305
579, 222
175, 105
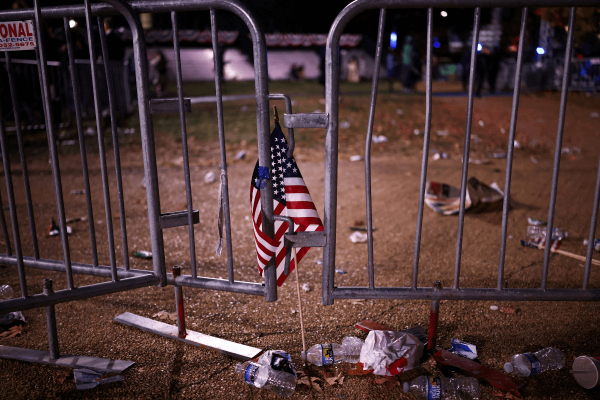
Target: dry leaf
359, 370
12, 331
311, 382
389, 381
61, 376
165, 315
326, 374
335, 380
510, 310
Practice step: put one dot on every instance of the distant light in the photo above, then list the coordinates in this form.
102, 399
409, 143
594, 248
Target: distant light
72, 23
436, 45
540, 50
444, 14
479, 47
393, 40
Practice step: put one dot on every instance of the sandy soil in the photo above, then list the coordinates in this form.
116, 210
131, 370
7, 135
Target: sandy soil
168, 369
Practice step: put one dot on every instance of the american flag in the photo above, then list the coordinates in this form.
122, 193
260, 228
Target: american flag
290, 198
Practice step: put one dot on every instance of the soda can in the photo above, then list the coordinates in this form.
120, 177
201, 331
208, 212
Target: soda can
586, 371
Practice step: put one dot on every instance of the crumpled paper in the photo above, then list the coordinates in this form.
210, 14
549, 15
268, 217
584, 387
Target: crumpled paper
389, 353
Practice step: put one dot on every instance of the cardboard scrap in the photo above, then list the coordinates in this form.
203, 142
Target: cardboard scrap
165, 315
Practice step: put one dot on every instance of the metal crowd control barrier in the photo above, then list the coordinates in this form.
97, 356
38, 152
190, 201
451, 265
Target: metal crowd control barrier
126, 278
330, 291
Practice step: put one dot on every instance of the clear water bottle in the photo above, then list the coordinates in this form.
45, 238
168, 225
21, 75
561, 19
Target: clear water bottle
264, 377
440, 388
6, 292
527, 364
255, 374
351, 347
324, 354
536, 231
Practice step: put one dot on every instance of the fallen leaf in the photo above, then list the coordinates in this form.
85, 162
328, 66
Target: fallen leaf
61, 376
359, 370
12, 331
326, 374
335, 380
165, 315
389, 381
311, 382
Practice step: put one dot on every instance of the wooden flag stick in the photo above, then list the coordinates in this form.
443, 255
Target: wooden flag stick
569, 254
299, 301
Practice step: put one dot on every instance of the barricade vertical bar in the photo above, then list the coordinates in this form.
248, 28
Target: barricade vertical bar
557, 150
5, 229
224, 184
13, 95
428, 78
60, 205
13, 210
101, 150
78, 118
592, 235
511, 147
465, 169
374, 85
184, 147
112, 98
51, 322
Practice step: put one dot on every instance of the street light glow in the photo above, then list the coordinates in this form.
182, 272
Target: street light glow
540, 51
444, 14
479, 47
393, 40
72, 23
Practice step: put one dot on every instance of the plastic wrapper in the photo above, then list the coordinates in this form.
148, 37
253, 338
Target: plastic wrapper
445, 199
390, 353
88, 378
463, 349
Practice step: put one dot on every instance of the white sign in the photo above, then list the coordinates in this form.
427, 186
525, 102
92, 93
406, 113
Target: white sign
17, 35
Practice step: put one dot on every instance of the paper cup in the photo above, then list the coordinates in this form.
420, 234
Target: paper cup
585, 370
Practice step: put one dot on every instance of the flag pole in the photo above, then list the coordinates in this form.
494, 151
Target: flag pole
299, 302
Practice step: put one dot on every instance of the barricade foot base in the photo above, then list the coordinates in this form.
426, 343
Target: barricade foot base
222, 346
65, 360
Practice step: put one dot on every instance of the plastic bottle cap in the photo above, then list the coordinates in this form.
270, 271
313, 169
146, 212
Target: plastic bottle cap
406, 387
303, 355
508, 367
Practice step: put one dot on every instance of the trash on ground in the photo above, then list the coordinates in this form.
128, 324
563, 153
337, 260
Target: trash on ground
537, 231
306, 287
319, 262
87, 378
502, 130
533, 159
356, 158
463, 349
78, 191
68, 142
165, 315
425, 388
11, 319
483, 161
143, 254
540, 243
594, 115
358, 237
344, 124
76, 219
586, 371
54, 229
356, 301
440, 156
340, 271
310, 381
210, 177
516, 144
534, 221
390, 352
399, 111
240, 155
351, 347
445, 199
333, 353
417, 132
481, 123
495, 378
596, 244
274, 371
442, 133
498, 155
476, 139
494, 308
527, 364
379, 139
89, 131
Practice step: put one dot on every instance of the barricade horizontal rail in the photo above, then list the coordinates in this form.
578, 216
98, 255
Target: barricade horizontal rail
331, 291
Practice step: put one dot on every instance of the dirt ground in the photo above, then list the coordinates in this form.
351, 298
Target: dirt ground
169, 369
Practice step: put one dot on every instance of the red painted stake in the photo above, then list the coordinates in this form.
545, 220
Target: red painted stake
182, 333
433, 319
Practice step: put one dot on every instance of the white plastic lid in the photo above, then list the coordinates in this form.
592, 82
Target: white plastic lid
406, 387
508, 367
303, 355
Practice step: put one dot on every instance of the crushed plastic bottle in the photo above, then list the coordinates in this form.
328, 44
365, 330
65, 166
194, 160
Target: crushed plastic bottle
351, 347
324, 354
6, 292
537, 231
440, 388
527, 364
255, 374
274, 371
